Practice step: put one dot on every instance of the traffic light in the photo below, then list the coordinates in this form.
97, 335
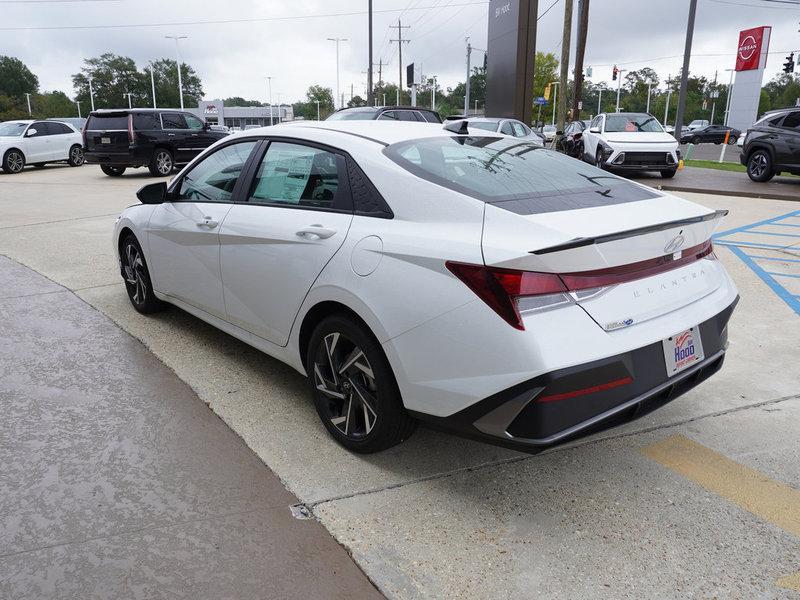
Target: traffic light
788, 66
614, 73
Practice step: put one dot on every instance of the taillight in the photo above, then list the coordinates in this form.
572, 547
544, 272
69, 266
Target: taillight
83, 133
505, 290
131, 132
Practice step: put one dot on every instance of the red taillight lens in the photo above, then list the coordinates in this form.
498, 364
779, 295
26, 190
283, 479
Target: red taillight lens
500, 288
131, 132
584, 391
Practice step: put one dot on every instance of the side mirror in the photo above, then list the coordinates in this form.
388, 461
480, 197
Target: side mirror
30, 132
206, 126
594, 130
153, 193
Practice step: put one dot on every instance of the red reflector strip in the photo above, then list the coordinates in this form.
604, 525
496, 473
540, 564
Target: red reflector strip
590, 390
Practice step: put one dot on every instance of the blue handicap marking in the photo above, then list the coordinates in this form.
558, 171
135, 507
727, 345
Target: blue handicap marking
748, 252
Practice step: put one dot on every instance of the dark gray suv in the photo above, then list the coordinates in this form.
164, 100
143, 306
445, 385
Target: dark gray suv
386, 113
772, 145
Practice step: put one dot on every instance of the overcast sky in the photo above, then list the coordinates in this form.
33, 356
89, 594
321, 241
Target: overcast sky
233, 58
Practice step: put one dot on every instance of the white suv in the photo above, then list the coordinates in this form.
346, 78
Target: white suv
38, 143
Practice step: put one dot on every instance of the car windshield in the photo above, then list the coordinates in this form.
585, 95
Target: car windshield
632, 123
549, 128
12, 128
514, 174
353, 115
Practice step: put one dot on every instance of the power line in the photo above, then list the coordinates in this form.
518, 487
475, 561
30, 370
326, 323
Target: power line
229, 21
758, 5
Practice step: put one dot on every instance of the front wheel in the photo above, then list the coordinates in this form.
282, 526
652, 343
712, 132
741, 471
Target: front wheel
112, 171
355, 392
75, 156
668, 173
598, 160
137, 277
696, 140
13, 161
759, 166
161, 163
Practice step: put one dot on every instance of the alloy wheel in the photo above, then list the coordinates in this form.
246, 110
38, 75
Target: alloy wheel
134, 278
76, 156
758, 165
15, 162
345, 377
164, 163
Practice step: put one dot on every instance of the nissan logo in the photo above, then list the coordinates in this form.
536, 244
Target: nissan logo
674, 244
748, 47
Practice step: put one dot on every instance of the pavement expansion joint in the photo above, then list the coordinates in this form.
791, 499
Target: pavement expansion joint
60, 221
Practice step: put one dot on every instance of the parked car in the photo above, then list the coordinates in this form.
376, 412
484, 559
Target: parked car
386, 113
571, 143
670, 129
710, 134
38, 143
222, 128
511, 127
772, 145
448, 274
549, 132
157, 139
697, 124
630, 142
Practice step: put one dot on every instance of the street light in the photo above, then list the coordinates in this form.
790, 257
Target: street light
269, 85
317, 101
153, 84
28, 98
91, 93
728, 99
555, 99
128, 94
178, 62
78, 102
619, 85
337, 40
649, 85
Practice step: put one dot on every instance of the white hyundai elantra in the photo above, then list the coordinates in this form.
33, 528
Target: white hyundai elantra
421, 272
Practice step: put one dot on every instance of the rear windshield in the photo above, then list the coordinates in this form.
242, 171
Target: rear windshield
107, 122
632, 123
353, 115
516, 175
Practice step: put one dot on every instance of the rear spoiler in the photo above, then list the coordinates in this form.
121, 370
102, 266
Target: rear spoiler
621, 235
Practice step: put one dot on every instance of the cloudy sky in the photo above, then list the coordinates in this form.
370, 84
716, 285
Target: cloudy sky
251, 39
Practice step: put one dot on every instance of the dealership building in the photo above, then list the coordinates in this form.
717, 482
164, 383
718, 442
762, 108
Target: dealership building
215, 112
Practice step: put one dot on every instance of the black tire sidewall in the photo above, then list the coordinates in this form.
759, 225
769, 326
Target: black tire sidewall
5, 161
393, 423
153, 166
768, 174
151, 303
668, 173
70, 162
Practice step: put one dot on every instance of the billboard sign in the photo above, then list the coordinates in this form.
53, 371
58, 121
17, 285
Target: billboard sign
748, 55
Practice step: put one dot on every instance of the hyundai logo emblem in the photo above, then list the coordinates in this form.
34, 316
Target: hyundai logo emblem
674, 244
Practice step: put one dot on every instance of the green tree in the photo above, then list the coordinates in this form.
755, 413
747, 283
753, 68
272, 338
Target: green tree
55, 104
16, 79
545, 70
356, 101
166, 79
112, 77
308, 108
239, 101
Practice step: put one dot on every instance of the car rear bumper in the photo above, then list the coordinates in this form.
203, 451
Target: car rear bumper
117, 159
517, 418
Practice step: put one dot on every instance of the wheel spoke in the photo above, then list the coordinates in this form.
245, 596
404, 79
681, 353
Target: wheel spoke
324, 386
368, 403
330, 347
359, 361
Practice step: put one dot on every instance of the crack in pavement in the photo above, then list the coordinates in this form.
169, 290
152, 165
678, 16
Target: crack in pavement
310, 506
59, 221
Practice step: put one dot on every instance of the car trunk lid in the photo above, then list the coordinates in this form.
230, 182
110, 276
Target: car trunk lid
108, 132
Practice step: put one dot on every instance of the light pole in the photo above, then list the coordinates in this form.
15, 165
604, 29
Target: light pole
91, 93
433, 94
178, 62
153, 84
728, 99
649, 85
128, 94
619, 85
599, 98
269, 85
337, 40
317, 101
279, 106
78, 102
555, 99
28, 98
666, 107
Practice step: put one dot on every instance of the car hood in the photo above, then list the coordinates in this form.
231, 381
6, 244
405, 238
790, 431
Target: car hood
642, 137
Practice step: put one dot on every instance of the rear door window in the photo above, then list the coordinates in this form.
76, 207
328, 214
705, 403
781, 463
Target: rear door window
389, 115
507, 128
792, 121
107, 123
173, 121
42, 129
145, 121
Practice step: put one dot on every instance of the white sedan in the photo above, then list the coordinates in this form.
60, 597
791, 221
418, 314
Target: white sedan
630, 142
414, 271
38, 143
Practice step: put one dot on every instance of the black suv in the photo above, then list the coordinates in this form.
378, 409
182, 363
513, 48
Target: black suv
772, 145
139, 137
386, 113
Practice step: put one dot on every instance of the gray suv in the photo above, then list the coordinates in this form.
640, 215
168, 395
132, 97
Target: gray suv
772, 145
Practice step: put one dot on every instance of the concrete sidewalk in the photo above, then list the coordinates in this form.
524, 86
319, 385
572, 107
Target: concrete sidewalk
117, 481
727, 183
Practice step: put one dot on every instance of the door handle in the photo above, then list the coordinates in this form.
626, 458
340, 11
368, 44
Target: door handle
316, 231
208, 222
171, 134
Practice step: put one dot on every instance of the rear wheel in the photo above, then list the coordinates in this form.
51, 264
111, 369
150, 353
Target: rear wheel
161, 163
112, 171
75, 156
137, 277
355, 392
13, 161
696, 140
668, 173
759, 166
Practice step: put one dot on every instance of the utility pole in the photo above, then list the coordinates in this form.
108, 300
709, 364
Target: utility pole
714, 95
153, 84
599, 98
400, 41
369, 70
178, 62
649, 85
269, 86
669, 94
565, 45
78, 102
580, 51
466, 91
619, 86
91, 93
433, 94
337, 40
728, 98
687, 54
555, 99
28, 98
381, 64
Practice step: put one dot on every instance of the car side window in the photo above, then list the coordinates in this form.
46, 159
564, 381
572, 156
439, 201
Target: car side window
214, 178
296, 175
519, 130
507, 129
41, 129
193, 122
145, 121
407, 115
792, 121
389, 115
173, 121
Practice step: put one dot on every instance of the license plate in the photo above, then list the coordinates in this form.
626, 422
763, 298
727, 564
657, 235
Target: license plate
682, 350
105, 140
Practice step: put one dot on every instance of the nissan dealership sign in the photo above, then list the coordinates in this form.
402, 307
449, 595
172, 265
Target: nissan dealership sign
751, 59
748, 56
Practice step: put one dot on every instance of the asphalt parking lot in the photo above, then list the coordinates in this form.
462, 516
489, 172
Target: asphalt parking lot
700, 499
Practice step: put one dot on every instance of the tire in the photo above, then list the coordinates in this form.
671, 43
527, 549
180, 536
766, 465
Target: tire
732, 140
759, 166
75, 156
161, 163
668, 173
13, 161
112, 171
696, 140
39, 165
354, 390
137, 277
598, 159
